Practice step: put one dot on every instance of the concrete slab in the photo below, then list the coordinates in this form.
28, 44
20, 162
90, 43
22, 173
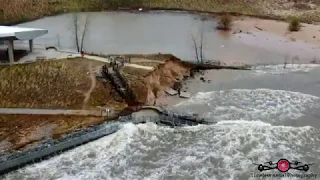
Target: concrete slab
21, 33
185, 95
171, 91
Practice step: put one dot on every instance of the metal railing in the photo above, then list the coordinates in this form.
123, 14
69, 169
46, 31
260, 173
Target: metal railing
127, 93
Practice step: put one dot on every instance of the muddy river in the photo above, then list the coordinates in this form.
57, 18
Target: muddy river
163, 32
263, 115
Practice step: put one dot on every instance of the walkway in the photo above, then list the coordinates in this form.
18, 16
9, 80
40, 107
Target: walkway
141, 60
87, 95
106, 60
54, 55
119, 83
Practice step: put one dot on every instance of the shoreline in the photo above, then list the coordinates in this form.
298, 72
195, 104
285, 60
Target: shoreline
164, 10
309, 33
154, 84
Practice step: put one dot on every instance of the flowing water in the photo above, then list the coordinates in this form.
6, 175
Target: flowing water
258, 121
263, 115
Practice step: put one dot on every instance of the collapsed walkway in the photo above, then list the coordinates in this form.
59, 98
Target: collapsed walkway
112, 74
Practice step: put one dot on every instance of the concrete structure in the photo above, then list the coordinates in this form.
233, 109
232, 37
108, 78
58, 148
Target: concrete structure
171, 91
11, 33
185, 95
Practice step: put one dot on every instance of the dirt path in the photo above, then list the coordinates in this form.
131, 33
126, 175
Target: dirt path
87, 95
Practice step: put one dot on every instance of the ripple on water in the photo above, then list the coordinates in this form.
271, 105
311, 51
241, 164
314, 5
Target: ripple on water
226, 150
260, 104
147, 151
279, 69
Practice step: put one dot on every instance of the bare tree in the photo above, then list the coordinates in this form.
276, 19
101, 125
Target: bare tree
80, 34
198, 47
201, 44
84, 32
195, 46
285, 61
76, 30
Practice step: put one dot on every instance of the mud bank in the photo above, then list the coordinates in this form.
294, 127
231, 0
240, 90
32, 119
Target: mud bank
152, 86
309, 33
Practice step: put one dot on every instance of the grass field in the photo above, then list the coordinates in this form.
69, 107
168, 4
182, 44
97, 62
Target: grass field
54, 84
14, 11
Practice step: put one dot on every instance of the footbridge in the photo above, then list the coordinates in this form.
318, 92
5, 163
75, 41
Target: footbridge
165, 117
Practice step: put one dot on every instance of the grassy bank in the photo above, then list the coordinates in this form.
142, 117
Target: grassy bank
14, 11
17, 131
52, 84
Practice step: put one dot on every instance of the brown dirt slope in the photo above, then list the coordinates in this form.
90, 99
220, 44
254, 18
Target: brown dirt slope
13, 11
149, 86
17, 131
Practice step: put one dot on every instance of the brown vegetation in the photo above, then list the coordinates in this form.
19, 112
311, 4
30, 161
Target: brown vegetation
21, 130
54, 84
59, 84
224, 22
294, 24
13, 11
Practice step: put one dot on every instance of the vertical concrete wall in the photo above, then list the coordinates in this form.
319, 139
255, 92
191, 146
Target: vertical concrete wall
10, 51
31, 45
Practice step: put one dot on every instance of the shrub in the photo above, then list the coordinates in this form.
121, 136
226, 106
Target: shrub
224, 22
294, 24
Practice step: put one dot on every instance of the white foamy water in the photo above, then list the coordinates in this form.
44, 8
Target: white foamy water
147, 151
279, 69
224, 151
260, 104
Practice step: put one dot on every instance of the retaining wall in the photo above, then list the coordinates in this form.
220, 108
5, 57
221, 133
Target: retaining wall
32, 157
50, 149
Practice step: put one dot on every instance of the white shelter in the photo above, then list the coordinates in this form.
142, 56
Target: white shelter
12, 33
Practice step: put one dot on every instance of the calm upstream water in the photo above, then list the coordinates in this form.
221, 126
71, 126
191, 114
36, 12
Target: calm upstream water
154, 32
263, 115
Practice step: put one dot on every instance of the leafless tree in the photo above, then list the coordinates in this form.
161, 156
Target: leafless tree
195, 46
199, 46
285, 61
80, 34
